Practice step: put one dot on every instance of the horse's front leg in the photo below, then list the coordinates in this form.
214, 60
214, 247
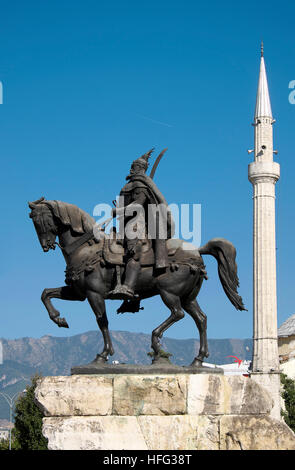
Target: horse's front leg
97, 304
63, 293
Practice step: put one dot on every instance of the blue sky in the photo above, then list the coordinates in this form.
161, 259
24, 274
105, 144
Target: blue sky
89, 86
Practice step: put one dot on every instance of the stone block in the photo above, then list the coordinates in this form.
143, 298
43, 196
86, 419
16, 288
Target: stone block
224, 395
180, 432
93, 433
150, 395
75, 395
255, 433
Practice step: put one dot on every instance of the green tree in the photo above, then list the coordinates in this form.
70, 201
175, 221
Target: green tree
28, 421
4, 443
288, 395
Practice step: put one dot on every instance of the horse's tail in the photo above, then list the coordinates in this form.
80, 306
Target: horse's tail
225, 254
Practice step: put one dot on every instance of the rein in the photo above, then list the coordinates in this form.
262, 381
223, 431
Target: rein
84, 238
76, 244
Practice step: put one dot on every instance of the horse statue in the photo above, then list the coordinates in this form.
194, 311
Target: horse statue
95, 260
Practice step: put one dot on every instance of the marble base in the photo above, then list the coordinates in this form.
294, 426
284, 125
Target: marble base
159, 412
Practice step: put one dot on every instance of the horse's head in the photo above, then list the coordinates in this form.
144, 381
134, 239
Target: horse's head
43, 219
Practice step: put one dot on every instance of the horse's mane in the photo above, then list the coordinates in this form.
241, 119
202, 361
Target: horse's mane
71, 215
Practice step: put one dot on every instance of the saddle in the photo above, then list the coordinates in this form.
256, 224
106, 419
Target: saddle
177, 250
107, 249
113, 251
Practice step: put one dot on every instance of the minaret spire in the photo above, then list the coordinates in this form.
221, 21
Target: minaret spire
263, 173
263, 106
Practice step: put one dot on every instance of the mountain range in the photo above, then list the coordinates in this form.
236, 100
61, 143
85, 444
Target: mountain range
49, 355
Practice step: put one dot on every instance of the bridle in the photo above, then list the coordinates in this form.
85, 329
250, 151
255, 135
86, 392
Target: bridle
70, 249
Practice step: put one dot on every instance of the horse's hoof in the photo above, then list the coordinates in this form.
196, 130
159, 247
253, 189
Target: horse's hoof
197, 363
100, 359
62, 323
161, 361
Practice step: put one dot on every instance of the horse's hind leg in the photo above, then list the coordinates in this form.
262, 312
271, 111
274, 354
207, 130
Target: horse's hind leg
97, 304
63, 293
192, 307
173, 303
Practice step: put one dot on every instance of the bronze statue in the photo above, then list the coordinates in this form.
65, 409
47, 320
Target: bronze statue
141, 191
97, 262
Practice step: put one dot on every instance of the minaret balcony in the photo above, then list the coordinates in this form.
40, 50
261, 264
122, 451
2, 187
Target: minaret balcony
263, 171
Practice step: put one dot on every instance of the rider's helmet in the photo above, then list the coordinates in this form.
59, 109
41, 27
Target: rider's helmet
142, 162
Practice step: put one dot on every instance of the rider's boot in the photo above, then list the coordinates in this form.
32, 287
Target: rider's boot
132, 271
126, 290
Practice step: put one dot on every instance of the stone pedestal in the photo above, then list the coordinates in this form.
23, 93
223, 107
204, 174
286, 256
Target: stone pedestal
272, 383
159, 412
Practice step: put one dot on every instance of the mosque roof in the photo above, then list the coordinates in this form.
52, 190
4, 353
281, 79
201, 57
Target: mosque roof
288, 327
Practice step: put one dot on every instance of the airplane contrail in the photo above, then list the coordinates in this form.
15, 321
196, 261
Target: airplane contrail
153, 120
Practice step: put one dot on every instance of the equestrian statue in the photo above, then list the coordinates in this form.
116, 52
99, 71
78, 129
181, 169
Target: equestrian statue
139, 261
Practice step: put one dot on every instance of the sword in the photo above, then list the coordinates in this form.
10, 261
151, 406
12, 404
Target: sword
152, 173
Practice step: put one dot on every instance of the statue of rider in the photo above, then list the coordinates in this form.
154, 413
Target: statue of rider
153, 221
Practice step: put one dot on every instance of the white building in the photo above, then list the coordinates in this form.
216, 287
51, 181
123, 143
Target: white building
236, 368
4, 434
286, 338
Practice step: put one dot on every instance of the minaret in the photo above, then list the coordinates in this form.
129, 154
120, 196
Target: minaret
263, 173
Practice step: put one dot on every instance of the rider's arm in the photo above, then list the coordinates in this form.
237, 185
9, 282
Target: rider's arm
140, 197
